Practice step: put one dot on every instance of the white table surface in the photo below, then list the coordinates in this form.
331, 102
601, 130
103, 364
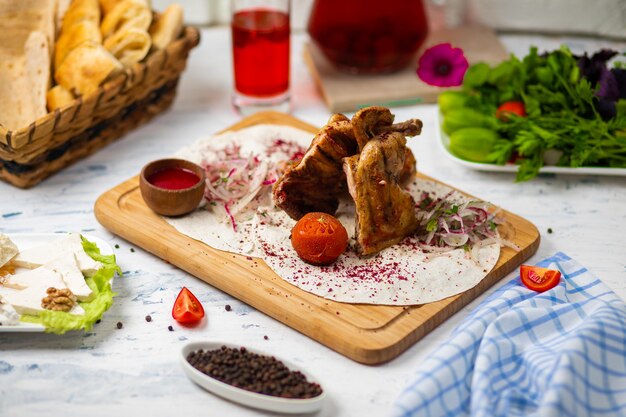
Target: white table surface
135, 370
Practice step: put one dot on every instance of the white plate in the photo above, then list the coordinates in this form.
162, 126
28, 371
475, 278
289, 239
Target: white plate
444, 144
248, 398
27, 240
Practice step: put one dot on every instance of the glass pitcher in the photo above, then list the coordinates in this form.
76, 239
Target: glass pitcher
368, 36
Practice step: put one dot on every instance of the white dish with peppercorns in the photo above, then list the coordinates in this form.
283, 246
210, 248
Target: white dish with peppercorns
255, 373
54, 282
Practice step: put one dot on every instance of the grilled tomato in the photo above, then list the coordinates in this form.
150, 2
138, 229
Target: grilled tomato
319, 238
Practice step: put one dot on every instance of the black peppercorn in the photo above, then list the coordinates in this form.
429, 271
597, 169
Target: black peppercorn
253, 372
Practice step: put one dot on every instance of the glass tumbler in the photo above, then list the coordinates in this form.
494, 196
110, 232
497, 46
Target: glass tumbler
260, 38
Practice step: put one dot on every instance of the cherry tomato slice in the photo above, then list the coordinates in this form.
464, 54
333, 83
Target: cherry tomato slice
511, 107
319, 238
539, 279
187, 309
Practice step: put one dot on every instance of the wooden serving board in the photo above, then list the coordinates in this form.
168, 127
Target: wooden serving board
369, 334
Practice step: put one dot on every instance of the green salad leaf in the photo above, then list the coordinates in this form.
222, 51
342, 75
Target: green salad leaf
561, 114
60, 322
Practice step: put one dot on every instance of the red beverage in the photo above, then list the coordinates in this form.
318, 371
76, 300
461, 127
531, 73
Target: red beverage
261, 52
368, 35
173, 179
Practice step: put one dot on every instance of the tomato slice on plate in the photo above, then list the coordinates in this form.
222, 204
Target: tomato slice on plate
511, 107
187, 309
539, 279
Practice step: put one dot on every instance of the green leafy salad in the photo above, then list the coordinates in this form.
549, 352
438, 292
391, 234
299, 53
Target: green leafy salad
100, 283
555, 108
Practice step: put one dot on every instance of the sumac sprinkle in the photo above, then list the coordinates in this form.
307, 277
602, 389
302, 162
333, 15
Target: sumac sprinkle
253, 372
148, 318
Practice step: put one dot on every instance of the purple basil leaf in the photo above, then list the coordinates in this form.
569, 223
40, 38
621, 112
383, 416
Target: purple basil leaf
620, 78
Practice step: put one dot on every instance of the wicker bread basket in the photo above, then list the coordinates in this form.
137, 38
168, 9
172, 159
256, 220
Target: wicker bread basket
31, 154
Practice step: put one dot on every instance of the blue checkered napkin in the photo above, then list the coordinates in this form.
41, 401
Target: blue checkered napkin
520, 353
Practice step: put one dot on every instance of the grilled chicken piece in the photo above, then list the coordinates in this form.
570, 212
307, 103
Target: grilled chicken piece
317, 180
385, 213
371, 121
315, 183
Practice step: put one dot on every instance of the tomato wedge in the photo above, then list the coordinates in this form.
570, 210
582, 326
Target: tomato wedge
539, 279
319, 238
187, 309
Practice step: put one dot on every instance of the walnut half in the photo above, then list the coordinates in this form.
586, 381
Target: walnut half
59, 300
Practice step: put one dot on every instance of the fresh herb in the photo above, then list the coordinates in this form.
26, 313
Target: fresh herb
431, 226
565, 99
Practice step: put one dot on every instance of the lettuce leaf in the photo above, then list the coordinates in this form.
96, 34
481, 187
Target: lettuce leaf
60, 322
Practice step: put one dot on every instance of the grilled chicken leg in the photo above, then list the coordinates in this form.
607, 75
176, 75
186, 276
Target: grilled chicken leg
385, 213
315, 183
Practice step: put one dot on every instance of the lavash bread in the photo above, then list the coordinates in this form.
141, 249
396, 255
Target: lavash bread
129, 45
62, 6
125, 15
108, 5
80, 10
86, 67
27, 28
167, 27
77, 33
59, 96
80, 60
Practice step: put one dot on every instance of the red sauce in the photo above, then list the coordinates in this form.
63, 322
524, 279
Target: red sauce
173, 179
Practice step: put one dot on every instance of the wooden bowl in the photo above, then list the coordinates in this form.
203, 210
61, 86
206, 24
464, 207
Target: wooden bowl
171, 202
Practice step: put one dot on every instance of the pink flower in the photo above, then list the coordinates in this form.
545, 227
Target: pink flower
442, 65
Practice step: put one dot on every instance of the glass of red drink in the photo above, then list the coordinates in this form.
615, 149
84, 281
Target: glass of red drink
260, 34
368, 36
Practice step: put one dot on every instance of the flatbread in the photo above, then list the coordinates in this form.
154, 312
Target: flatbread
61, 9
59, 96
167, 27
19, 18
129, 45
403, 274
124, 15
27, 30
38, 71
74, 35
108, 5
86, 67
80, 10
